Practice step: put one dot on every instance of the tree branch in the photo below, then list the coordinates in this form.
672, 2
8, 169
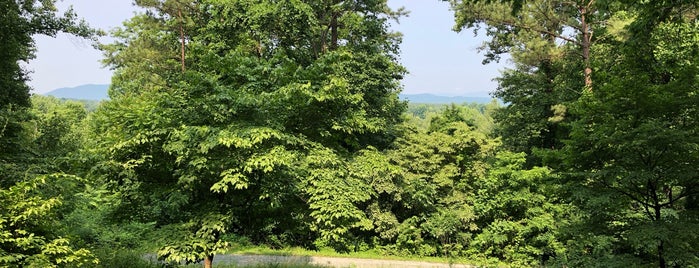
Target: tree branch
541, 31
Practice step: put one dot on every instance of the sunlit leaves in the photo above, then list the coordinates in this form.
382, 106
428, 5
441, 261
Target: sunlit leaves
518, 218
270, 108
195, 240
26, 239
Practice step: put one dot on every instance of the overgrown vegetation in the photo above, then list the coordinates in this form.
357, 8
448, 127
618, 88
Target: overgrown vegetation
236, 124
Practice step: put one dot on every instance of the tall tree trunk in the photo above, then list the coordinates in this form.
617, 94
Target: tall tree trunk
661, 258
661, 246
179, 13
586, 43
333, 31
208, 261
324, 42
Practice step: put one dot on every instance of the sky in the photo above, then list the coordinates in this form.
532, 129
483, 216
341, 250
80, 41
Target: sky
439, 60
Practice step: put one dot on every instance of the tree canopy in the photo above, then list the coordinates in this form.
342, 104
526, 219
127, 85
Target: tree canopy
278, 123
34, 190
268, 87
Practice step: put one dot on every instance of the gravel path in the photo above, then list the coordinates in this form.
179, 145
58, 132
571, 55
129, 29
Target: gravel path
244, 260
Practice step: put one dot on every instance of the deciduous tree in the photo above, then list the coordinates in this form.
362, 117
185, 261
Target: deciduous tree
228, 145
30, 180
632, 153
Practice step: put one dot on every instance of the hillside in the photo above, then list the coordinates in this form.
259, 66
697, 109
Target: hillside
435, 99
82, 92
99, 92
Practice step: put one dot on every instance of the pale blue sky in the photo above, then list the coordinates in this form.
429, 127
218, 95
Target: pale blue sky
439, 60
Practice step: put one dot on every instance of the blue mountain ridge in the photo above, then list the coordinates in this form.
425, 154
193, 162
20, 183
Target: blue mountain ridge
99, 92
436, 99
82, 92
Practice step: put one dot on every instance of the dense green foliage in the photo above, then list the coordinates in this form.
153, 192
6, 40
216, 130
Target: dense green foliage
278, 123
36, 146
622, 143
37, 193
259, 121
635, 146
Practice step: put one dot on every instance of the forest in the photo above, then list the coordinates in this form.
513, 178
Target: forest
277, 123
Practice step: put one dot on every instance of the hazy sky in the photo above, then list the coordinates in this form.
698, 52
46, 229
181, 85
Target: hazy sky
439, 60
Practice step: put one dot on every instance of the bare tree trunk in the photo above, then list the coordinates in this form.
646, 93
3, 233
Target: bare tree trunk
586, 43
661, 258
661, 246
333, 31
208, 261
179, 13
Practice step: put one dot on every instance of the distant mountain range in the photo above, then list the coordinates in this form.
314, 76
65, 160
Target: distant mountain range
436, 99
82, 92
99, 92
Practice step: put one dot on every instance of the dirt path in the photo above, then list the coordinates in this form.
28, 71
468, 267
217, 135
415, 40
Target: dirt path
245, 260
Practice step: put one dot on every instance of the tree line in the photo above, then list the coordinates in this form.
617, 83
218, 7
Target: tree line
279, 123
